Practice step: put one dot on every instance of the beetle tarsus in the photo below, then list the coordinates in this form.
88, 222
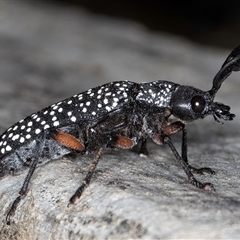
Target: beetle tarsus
201, 171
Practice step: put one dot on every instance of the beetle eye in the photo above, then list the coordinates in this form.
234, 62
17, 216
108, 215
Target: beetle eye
198, 104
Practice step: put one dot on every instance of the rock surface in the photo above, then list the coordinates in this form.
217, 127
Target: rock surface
50, 52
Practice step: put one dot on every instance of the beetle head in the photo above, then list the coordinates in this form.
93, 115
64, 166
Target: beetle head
189, 103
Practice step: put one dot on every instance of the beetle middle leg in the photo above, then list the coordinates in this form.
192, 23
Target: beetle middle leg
88, 177
143, 152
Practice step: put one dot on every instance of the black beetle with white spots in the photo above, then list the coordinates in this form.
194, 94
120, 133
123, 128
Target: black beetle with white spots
117, 115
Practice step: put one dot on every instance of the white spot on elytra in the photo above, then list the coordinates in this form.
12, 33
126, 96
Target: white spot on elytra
56, 123
108, 108
93, 113
22, 127
15, 137
52, 113
73, 119
28, 136
60, 109
46, 126
115, 104
84, 110
28, 130
30, 124
88, 103
69, 114
105, 101
37, 131
21, 140
54, 118
8, 148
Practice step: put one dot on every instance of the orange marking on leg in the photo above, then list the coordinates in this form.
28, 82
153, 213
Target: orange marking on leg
124, 142
172, 128
69, 141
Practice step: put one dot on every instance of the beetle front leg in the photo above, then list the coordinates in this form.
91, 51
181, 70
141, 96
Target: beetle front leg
183, 160
185, 157
176, 127
186, 168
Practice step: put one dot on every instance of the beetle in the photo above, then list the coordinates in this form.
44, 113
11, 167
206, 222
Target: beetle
116, 115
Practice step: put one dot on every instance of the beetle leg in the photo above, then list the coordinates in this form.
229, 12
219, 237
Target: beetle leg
185, 158
68, 140
23, 192
88, 177
124, 142
186, 168
176, 127
143, 148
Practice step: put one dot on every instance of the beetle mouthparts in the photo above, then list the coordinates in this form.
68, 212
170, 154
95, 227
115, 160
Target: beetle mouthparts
221, 112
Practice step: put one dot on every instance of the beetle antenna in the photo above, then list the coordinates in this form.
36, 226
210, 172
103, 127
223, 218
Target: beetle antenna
231, 64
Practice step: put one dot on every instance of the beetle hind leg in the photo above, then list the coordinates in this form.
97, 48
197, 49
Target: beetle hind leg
23, 192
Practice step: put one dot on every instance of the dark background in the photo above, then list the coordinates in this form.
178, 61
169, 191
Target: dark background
206, 22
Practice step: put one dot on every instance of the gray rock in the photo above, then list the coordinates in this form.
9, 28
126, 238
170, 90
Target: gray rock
50, 52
